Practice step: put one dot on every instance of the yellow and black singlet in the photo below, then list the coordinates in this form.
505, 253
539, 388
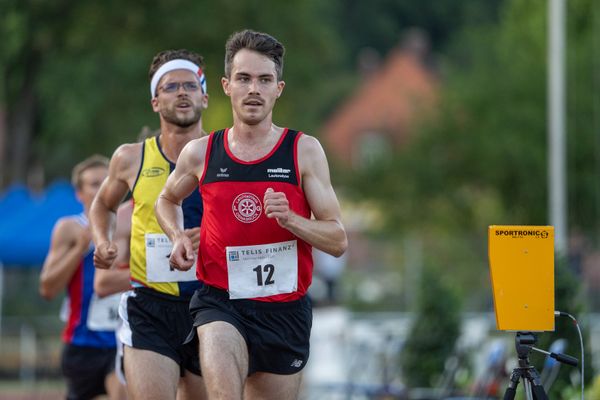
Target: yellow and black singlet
150, 247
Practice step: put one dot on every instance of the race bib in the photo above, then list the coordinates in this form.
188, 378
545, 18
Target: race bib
262, 270
103, 314
158, 251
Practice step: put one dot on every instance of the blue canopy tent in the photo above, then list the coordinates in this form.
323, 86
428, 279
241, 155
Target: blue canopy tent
26, 222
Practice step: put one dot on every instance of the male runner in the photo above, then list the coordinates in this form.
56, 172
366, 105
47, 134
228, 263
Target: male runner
155, 313
260, 183
88, 357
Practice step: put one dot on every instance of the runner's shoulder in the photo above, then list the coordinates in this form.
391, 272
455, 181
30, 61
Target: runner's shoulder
127, 156
196, 149
68, 227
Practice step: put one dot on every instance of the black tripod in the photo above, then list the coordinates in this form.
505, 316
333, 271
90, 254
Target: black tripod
534, 390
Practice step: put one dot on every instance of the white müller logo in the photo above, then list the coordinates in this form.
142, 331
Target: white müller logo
246, 207
278, 172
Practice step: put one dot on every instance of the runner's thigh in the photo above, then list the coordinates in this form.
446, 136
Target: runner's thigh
266, 386
191, 387
149, 375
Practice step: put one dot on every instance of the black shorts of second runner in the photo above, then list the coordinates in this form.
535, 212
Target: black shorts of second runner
85, 369
159, 323
277, 334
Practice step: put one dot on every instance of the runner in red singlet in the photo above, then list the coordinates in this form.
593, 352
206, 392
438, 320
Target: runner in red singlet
267, 201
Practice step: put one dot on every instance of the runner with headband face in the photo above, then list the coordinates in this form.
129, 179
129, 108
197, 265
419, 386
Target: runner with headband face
155, 312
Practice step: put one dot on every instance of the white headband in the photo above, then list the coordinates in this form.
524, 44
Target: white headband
173, 65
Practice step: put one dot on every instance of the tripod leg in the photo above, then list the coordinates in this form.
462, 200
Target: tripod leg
509, 394
532, 377
527, 385
511, 390
539, 394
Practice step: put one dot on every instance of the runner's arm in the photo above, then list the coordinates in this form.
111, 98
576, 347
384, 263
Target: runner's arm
121, 173
68, 245
325, 231
182, 181
111, 281
180, 184
116, 279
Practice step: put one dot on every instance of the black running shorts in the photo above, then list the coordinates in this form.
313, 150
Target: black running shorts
85, 369
277, 334
160, 323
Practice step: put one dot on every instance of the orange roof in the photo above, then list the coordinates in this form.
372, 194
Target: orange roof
387, 103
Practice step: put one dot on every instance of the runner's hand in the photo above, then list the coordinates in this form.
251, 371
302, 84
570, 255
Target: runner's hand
277, 206
194, 235
182, 255
105, 255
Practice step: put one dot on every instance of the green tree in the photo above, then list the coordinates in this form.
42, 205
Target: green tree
73, 74
379, 24
481, 158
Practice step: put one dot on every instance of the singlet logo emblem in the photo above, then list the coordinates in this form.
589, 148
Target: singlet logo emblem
223, 173
278, 173
246, 207
152, 172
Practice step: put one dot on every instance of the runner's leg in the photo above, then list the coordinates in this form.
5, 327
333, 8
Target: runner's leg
223, 350
265, 386
115, 389
191, 387
149, 375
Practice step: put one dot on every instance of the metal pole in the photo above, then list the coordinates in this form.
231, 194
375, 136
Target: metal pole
556, 124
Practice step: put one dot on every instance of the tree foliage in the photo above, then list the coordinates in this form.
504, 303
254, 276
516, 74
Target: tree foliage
74, 73
378, 24
481, 159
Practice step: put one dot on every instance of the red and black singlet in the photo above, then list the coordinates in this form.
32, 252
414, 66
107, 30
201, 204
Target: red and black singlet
241, 250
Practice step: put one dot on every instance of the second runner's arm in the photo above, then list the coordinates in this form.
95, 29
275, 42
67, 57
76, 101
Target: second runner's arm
107, 200
180, 184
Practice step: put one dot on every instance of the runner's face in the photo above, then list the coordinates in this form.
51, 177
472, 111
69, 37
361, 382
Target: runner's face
91, 179
182, 107
253, 86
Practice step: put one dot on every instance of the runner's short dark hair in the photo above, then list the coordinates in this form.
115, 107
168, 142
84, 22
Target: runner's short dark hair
260, 42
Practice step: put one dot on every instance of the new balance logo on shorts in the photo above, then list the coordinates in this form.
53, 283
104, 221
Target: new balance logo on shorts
296, 363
